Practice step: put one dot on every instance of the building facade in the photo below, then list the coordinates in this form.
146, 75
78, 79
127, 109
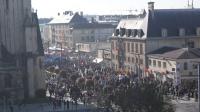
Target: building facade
21, 50
178, 65
152, 29
60, 28
71, 28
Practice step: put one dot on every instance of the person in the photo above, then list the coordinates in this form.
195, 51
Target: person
64, 104
67, 105
10, 106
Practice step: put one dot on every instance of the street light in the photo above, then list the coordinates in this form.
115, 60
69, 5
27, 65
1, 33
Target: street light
198, 62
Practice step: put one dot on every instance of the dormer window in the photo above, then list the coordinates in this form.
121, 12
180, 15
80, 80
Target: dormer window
198, 31
128, 32
140, 33
116, 32
122, 31
134, 32
181, 32
164, 32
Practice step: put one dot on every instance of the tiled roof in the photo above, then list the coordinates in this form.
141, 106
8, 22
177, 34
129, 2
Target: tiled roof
181, 53
173, 20
65, 19
92, 25
153, 22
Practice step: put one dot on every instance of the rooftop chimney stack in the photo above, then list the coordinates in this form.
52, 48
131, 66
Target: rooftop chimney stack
151, 6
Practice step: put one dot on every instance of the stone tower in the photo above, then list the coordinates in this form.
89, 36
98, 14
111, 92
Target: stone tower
21, 45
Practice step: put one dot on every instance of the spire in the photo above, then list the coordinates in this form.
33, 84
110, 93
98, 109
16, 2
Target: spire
192, 4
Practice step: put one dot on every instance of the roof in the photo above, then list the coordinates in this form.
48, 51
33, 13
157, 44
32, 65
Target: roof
181, 53
69, 18
137, 23
92, 25
173, 20
163, 50
154, 21
40, 48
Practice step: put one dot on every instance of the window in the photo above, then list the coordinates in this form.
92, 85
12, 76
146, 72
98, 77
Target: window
92, 31
173, 69
133, 60
92, 38
181, 32
141, 49
164, 32
7, 4
191, 44
185, 66
141, 61
122, 31
159, 64
129, 59
134, 32
128, 47
116, 57
8, 81
154, 63
113, 56
124, 47
164, 65
195, 66
128, 32
198, 31
136, 60
132, 47
190, 73
149, 62
82, 38
116, 32
140, 33
136, 47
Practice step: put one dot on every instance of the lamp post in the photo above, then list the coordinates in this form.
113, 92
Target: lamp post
199, 84
198, 63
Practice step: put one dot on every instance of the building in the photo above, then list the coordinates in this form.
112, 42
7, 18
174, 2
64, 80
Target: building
60, 28
21, 50
178, 65
152, 29
69, 29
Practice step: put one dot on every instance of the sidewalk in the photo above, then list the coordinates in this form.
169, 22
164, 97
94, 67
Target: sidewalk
48, 108
182, 105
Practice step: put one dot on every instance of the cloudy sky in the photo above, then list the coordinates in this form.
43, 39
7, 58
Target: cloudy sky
50, 8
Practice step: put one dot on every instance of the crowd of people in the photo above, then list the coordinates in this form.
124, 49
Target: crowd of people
81, 80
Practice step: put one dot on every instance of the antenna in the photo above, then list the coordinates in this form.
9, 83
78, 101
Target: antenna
192, 4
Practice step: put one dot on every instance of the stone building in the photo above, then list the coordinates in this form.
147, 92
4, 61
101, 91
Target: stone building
21, 50
60, 28
178, 65
71, 28
153, 29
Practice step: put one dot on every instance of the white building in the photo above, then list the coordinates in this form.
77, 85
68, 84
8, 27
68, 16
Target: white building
21, 50
70, 28
179, 65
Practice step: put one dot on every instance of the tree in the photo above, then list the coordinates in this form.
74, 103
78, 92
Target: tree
143, 97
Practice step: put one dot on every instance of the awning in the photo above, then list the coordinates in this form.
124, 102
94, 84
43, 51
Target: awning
97, 60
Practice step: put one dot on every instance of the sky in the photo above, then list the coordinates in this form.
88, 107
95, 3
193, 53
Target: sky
50, 8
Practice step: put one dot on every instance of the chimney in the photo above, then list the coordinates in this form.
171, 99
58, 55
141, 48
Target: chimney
81, 13
151, 6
